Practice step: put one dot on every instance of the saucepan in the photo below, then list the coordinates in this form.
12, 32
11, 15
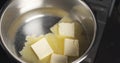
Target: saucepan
21, 18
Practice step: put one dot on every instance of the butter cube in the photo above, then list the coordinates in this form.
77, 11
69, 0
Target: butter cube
42, 48
71, 47
54, 29
67, 29
57, 58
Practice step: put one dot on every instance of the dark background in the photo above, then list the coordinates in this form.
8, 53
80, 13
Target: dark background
109, 48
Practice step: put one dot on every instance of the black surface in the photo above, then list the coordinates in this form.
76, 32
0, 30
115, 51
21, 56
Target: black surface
108, 51
2, 2
3, 56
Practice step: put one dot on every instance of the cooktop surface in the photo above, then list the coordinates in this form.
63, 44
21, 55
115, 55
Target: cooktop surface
108, 50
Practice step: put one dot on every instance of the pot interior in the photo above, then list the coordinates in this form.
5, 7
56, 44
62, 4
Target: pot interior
22, 18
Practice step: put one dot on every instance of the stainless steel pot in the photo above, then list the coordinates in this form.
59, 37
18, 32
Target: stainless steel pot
20, 18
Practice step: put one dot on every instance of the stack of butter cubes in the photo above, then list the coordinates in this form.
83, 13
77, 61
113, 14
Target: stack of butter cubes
60, 44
